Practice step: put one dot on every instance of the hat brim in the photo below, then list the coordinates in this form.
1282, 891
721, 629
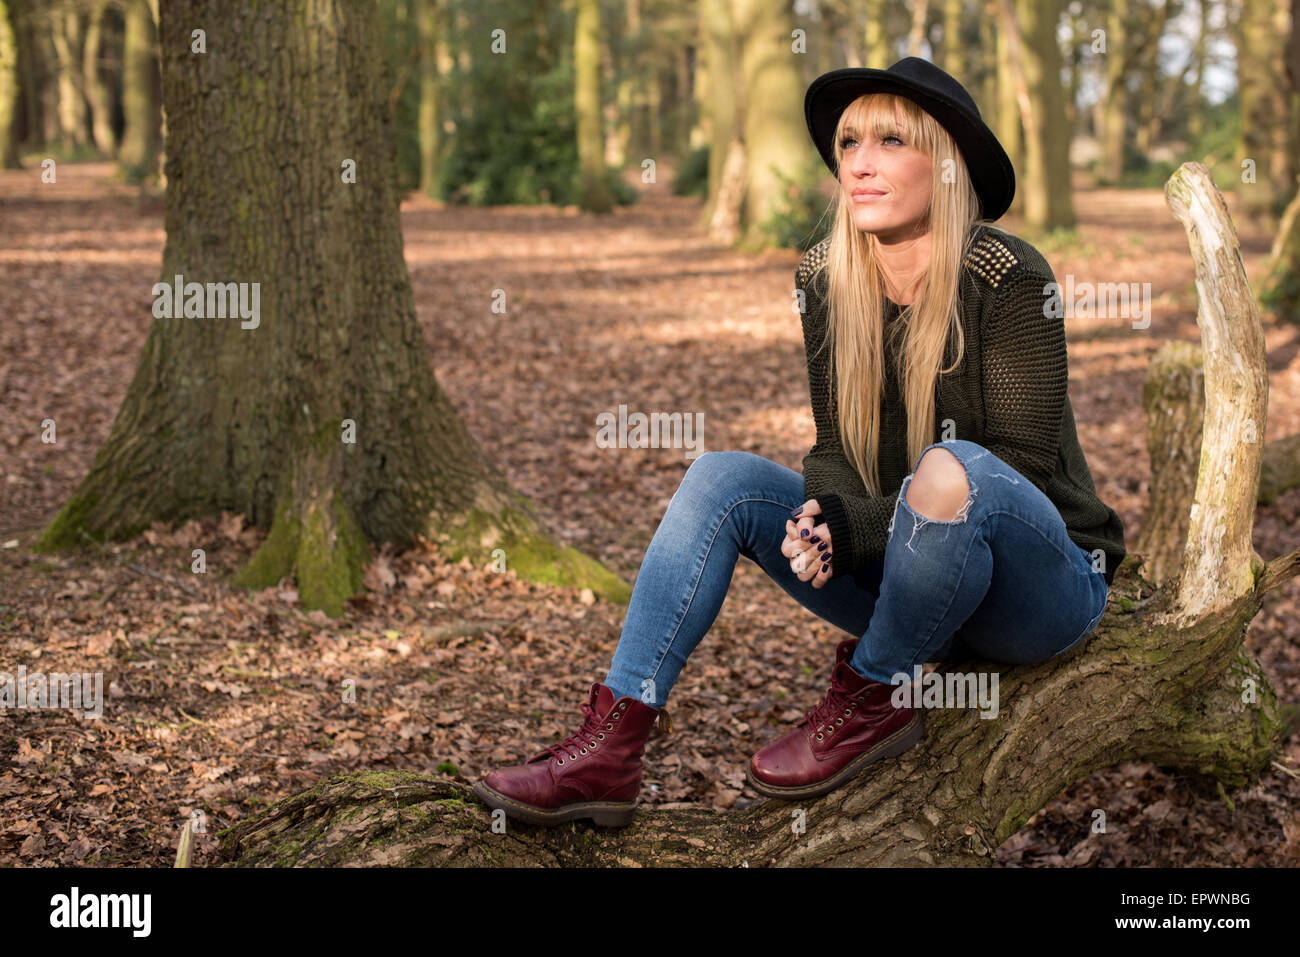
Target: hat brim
990, 168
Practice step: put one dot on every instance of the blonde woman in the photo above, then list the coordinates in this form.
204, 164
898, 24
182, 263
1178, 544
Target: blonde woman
946, 510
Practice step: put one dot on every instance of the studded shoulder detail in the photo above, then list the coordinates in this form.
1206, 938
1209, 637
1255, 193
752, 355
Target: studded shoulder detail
813, 260
990, 259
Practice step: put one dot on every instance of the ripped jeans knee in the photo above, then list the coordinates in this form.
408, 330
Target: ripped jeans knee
965, 452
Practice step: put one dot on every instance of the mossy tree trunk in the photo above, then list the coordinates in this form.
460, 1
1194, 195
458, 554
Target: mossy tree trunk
320, 417
1164, 679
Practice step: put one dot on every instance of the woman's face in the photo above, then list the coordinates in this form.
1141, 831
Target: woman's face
887, 182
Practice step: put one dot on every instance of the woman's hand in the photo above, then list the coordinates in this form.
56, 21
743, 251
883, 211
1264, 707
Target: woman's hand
808, 545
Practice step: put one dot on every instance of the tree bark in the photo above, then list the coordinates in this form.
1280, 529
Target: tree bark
1164, 679
321, 418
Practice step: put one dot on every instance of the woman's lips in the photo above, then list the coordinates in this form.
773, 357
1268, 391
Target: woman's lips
862, 196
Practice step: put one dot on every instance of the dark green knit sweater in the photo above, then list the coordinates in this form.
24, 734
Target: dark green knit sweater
1008, 395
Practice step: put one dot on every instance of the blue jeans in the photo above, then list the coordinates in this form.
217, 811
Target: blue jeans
1004, 582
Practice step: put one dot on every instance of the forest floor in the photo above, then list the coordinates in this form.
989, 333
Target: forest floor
220, 701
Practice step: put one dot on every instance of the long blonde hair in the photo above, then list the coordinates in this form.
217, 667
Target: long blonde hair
856, 289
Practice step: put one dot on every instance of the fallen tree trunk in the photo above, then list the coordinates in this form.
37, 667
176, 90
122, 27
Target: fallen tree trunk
1164, 679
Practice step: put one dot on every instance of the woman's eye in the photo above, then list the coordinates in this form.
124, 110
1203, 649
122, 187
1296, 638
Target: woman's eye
891, 136
844, 143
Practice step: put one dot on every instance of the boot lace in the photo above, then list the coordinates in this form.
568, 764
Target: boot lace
830, 713
587, 737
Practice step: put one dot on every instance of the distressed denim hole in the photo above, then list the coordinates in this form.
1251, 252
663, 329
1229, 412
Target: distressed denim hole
919, 521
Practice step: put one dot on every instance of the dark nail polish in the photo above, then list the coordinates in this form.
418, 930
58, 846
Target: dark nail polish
797, 511
821, 546
804, 533
826, 566
815, 538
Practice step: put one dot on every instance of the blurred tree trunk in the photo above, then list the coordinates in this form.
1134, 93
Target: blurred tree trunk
717, 41
142, 122
1012, 98
319, 416
1072, 64
66, 35
596, 196
1262, 111
914, 37
28, 124
1049, 198
428, 15
702, 91
879, 52
1149, 73
1196, 105
988, 60
1290, 138
1279, 289
774, 130
1115, 95
952, 45
98, 96
9, 92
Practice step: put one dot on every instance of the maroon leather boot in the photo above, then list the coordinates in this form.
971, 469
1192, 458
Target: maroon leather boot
593, 773
854, 725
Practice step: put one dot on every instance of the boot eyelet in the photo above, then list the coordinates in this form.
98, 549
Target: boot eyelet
584, 751
819, 737
617, 716
847, 712
839, 720
559, 762
610, 726
601, 736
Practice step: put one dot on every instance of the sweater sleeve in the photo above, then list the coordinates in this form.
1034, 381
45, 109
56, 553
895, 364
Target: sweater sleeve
1025, 376
858, 521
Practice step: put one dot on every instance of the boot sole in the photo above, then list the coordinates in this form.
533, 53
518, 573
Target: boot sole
602, 813
900, 741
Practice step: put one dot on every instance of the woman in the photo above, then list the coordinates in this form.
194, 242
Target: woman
931, 341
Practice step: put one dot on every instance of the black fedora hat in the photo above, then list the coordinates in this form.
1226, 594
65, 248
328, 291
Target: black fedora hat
939, 95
